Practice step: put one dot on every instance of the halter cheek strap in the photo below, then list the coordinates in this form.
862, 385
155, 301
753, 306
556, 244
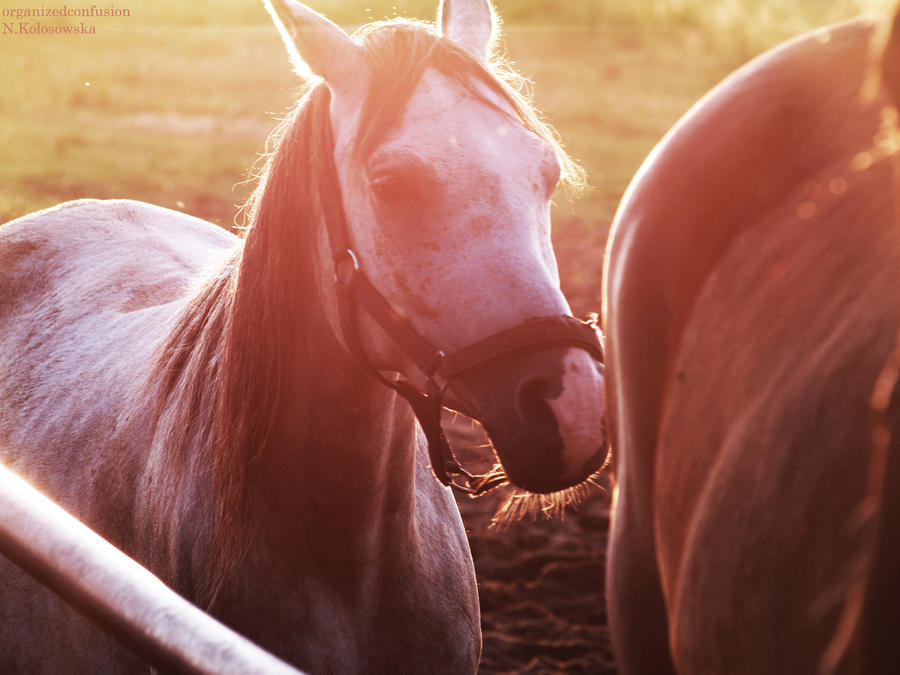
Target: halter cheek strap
355, 290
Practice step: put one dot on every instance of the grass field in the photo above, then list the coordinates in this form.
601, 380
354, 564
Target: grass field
173, 103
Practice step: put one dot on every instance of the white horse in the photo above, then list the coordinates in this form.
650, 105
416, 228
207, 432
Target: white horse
753, 297
207, 404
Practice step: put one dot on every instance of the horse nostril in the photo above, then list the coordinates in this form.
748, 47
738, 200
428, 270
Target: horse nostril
531, 404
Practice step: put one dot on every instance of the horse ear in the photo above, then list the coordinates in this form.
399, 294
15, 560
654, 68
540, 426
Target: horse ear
314, 43
470, 24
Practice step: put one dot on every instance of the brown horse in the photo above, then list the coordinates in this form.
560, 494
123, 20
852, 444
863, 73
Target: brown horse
753, 296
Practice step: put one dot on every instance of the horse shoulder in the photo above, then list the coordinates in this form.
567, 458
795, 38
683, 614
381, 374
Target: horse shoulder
420, 611
434, 506
447, 560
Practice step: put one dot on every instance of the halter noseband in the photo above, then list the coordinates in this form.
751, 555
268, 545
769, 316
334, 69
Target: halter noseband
355, 291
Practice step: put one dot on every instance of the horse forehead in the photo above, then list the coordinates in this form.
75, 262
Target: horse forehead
440, 97
445, 121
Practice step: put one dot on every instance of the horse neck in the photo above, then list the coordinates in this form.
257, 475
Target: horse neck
334, 449
272, 448
341, 453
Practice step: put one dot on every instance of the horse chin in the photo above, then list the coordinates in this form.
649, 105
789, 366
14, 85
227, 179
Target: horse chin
532, 463
546, 426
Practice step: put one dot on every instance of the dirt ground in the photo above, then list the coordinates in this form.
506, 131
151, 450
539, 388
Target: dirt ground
541, 585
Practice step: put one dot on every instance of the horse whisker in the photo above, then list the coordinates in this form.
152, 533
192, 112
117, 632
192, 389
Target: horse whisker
521, 503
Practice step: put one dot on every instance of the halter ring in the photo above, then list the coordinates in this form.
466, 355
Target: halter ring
343, 275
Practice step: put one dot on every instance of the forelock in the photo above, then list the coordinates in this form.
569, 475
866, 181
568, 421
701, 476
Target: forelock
398, 53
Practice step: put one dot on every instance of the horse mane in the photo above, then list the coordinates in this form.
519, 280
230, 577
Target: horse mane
217, 383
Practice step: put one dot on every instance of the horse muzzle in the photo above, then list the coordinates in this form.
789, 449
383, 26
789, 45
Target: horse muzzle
545, 414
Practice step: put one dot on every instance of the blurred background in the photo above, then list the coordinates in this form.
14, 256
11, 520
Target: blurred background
172, 105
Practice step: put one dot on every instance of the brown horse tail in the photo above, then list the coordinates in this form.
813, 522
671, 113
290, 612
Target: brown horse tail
865, 639
880, 616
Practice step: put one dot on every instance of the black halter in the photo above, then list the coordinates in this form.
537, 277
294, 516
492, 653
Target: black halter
356, 292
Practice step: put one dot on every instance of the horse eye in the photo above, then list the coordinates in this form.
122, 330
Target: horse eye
392, 188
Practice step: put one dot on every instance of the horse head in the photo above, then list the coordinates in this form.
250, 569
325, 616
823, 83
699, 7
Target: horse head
444, 180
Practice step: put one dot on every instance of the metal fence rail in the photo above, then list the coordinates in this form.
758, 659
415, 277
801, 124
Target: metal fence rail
117, 593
